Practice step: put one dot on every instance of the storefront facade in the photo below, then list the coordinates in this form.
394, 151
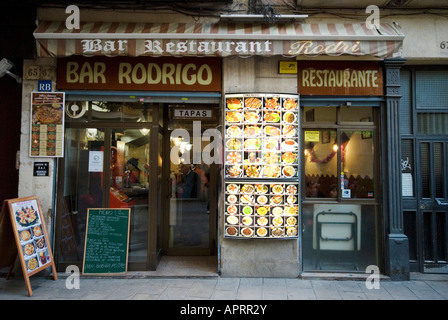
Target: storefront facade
151, 99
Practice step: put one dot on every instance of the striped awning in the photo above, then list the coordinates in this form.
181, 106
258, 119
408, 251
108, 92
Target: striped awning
217, 39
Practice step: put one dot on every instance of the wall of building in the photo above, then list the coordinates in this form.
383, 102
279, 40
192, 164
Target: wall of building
257, 257
42, 187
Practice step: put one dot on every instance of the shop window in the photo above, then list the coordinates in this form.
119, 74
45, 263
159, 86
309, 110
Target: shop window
321, 163
350, 150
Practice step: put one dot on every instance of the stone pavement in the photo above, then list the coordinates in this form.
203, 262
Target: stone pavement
138, 287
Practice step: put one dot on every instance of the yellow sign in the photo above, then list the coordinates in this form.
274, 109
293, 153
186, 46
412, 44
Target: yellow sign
312, 136
287, 67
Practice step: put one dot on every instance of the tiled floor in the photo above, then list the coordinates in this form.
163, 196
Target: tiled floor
182, 266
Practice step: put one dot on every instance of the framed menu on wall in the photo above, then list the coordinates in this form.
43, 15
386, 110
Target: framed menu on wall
47, 124
261, 166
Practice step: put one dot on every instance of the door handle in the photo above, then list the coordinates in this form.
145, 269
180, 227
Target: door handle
441, 202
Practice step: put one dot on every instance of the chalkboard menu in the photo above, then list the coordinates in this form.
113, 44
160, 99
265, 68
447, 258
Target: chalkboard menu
107, 241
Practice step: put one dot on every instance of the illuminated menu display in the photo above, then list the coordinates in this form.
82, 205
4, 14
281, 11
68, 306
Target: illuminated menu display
261, 138
261, 166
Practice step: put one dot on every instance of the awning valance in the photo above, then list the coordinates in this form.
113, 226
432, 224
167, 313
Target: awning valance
216, 39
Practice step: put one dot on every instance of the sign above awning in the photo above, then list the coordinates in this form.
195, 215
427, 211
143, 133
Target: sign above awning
217, 39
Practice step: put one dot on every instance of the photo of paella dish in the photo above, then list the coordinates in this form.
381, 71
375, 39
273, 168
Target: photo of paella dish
26, 216
47, 114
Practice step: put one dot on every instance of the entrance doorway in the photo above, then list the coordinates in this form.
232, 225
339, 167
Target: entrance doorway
118, 155
190, 216
427, 225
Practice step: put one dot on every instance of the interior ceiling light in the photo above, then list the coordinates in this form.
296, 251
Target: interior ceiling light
262, 18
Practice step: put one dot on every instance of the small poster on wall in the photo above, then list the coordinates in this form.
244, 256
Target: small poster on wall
47, 124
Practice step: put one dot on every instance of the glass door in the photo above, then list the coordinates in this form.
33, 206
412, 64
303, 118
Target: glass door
191, 213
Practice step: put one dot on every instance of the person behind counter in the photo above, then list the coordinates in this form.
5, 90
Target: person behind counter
134, 171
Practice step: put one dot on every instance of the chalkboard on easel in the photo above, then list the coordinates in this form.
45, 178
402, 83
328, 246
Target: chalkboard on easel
107, 241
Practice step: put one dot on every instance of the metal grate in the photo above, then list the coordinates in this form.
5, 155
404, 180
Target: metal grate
431, 89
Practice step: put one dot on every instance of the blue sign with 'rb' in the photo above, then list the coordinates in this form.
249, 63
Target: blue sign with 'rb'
44, 86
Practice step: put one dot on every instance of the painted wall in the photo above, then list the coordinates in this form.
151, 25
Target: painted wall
29, 185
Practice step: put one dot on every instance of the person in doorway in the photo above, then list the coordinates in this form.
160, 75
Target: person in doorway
190, 182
